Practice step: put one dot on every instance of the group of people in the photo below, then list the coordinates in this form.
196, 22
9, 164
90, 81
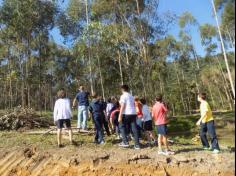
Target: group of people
129, 118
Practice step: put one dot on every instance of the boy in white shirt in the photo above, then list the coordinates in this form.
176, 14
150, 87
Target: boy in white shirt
62, 115
127, 117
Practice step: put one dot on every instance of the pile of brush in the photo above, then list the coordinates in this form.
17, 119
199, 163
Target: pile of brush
23, 118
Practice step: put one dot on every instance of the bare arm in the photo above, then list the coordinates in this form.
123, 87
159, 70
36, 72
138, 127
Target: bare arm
200, 120
122, 108
74, 102
55, 112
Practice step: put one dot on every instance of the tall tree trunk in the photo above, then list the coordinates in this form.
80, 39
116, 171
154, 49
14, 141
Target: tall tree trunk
212, 98
180, 88
224, 51
230, 99
101, 78
120, 67
89, 49
232, 41
196, 58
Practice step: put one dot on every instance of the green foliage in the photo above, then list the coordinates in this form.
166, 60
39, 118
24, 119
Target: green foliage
123, 42
187, 19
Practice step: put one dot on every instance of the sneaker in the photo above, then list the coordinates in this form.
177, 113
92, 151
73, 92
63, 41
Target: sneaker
123, 145
170, 152
60, 146
215, 151
137, 147
118, 138
102, 143
207, 148
162, 153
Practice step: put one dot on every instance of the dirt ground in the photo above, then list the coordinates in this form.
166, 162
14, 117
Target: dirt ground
99, 161
22, 154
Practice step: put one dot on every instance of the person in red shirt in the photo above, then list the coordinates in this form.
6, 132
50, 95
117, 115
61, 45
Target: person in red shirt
139, 120
159, 114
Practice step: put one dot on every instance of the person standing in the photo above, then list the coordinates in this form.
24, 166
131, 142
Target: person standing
206, 122
96, 109
127, 117
139, 119
159, 114
62, 115
82, 98
105, 121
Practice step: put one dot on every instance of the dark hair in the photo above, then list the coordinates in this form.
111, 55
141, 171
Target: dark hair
61, 93
81, 88
159, 98
143, 101
109, 100
203, 96
125, 88
117, 104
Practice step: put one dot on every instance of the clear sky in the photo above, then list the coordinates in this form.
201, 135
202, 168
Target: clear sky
201, 10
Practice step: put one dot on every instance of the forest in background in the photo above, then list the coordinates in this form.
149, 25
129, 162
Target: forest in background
113, 42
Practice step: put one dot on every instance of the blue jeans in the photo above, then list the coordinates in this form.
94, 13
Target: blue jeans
82, 117
210, 128
139, 126
129, 121
99, 130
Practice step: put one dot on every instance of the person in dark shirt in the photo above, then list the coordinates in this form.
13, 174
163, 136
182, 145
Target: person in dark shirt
82, 99
104, 117
96, 109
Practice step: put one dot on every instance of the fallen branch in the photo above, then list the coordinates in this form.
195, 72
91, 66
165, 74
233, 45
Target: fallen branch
54, 131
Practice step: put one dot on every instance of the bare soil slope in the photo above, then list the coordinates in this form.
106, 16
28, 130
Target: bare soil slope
84, 161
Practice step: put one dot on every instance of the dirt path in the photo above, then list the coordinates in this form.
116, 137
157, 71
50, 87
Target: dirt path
84, 161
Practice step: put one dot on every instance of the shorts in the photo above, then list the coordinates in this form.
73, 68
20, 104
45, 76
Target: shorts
62, 122
162, 129
148, 125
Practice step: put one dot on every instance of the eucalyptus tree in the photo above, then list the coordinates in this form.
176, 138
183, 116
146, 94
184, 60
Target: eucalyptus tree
14, 16
208, 34
223, 49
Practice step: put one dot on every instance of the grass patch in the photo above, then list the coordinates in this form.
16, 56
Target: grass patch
181, 130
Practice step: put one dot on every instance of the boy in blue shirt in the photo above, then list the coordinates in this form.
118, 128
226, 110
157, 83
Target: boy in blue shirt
82, 98
96, 109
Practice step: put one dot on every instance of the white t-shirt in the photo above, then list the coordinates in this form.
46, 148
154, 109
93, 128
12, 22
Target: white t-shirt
146, 113
128, 100
109, 108
62, 109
